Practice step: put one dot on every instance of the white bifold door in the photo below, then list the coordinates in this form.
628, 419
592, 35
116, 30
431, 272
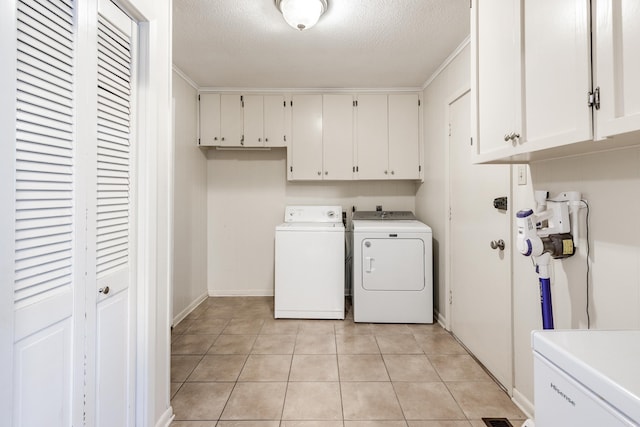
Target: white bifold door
74, 224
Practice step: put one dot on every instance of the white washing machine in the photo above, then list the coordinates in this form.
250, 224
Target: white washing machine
586, 378
309, 263
392, 268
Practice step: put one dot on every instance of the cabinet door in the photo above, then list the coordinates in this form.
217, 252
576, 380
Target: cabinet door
495, 63
372, 132
253, 113
337, 137
404, 138
274, 134
306, 138
557, 73
209, 119
230, 120
617, 66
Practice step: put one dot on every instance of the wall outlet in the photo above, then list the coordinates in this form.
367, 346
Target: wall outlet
522, 174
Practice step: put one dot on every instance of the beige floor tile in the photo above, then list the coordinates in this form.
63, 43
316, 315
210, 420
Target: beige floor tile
315, 344
207, 326
266, 367
181, 327
427, 401
390, 328
240, 326
248, 424
317, 327
274, 344
370, 401
255, 401
314, 367
426, 328
233, 344
174, 389
483, 399
458, 367
410, 367
348, 327
280, 326
223, 367
192, 344
182, 366
441, 424
311, 424
193, 424
439, 344
312, 401
375, 424
362, 367
398, 344
201, 401
219, 312
357, 344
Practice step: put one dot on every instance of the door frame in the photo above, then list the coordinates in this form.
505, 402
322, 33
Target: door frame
455, 96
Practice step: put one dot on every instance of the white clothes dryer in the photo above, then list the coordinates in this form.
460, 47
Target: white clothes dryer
309, 263
392, 268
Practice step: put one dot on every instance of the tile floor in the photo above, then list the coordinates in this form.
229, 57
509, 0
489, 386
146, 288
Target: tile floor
234, 365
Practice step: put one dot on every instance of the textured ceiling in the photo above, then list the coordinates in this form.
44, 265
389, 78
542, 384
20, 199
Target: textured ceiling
356, 43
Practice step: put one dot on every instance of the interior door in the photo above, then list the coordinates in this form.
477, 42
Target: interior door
480, 283
114, 219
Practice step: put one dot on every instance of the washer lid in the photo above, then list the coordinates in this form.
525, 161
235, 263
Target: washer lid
606, 362
311, 226
386, 226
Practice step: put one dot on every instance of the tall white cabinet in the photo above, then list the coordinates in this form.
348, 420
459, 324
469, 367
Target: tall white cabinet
539, 84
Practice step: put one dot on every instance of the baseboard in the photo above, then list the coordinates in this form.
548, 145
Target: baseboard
166, 418
442, 321
240, 293
523, 403
184, 313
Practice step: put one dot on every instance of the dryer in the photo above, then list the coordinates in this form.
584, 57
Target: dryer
392, 268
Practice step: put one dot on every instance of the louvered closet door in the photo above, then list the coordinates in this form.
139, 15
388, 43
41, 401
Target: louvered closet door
114, 221
44, 284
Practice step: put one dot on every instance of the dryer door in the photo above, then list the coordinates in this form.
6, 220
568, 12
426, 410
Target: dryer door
393, 264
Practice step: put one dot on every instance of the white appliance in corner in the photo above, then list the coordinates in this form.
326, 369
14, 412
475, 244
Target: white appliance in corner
586, 378
309, 263
392, 268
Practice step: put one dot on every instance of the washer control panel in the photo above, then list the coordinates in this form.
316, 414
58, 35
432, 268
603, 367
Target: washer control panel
313, 213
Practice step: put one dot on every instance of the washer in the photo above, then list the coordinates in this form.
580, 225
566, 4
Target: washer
586, 378
309, 263
392, 268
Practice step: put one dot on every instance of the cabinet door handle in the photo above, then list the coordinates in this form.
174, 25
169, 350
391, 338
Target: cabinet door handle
386, 172
319, 173
215, 138
266, 140
326, 173
223, 138
259, 139
393, 172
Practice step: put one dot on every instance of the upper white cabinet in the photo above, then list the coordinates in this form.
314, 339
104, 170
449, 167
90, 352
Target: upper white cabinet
404, 136
322, 137
209, 119
538, 85
388, 141
531, 61
232, 120
337, 137
372, 130
305, 157
617, 66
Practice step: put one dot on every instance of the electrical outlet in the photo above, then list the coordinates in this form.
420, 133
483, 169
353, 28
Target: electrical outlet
522, 175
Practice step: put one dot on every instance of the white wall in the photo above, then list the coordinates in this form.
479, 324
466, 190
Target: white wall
609, 182
189, 203
247, 194
432, 195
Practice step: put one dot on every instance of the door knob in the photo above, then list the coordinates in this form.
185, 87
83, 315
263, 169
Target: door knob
104, 290
497, 244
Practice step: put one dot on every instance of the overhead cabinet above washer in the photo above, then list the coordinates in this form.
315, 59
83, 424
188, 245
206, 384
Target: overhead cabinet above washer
233, 120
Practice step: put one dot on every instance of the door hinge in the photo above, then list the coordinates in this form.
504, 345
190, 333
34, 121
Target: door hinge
594, 98
449, 213
450, 296
470, 4
198, 97
285, 138
419, 168
418, 102
290, 168
471, 140
284, 104
198, 141
291, 103
449, 129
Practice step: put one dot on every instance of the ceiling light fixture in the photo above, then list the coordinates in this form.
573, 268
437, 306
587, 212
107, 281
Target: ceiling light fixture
302, 14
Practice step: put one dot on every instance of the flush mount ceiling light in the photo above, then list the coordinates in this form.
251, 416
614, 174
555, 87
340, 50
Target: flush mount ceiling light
302, 14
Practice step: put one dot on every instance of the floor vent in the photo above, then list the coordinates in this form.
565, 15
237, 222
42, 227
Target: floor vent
497, 422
